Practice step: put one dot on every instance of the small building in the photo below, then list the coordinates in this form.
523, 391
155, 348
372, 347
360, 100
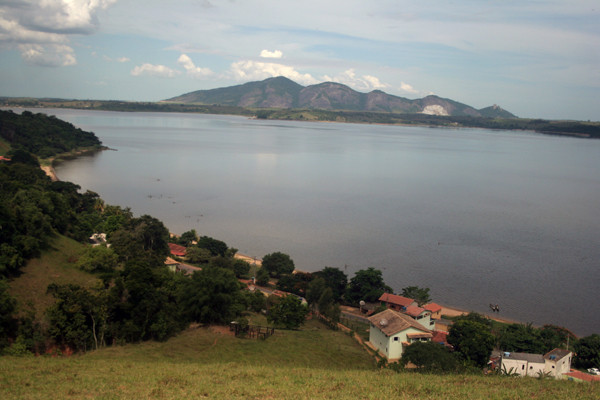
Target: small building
555, 363
391, 332
172, 264
558, 362
434, 309
395, 302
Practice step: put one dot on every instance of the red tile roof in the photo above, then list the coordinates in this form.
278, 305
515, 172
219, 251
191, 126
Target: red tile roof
177, 250
433, 307
414, 311
395, 299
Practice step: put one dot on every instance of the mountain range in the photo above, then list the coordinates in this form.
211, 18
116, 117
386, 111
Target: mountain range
281, 92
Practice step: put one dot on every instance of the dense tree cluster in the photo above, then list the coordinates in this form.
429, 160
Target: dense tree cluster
43, 135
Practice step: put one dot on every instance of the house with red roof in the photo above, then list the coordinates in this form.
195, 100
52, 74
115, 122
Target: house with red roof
434, 309
177, 250
395, 302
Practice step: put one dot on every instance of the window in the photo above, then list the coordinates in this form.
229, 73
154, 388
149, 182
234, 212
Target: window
523, 366
396, 339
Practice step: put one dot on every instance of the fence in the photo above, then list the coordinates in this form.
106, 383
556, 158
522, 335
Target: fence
251, 331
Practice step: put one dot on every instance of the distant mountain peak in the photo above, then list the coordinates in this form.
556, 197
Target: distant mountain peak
282, 92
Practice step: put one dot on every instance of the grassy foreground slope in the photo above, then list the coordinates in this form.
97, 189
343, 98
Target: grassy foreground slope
314, 363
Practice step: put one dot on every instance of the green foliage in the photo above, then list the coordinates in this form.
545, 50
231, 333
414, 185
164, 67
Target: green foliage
288, 313
241, 268
277, 264
472, 340
71, 318
43, 135
8, 322
196, 255
521, 338
211, 295
262, 277
335, 279
430, 357
98, 259
294, 283
420, 295
216, 247
367, 285
588, 351
255, 301
187, 238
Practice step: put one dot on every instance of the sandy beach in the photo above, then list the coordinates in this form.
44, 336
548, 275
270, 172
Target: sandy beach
50, 172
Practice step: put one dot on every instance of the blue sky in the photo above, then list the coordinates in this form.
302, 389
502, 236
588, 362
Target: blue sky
534, 58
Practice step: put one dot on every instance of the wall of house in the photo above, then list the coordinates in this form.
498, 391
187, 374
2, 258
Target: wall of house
522, 367
379, 340
558, 368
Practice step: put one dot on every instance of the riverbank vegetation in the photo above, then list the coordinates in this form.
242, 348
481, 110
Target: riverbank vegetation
585, 129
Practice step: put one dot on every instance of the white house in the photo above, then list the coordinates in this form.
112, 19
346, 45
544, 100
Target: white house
524, 364
555, 363
392, 331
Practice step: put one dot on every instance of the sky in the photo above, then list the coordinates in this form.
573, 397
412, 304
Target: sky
536, 59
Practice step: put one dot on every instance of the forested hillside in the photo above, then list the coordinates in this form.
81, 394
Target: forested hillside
43, 135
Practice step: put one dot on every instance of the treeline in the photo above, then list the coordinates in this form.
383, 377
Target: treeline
43, 135
555, 127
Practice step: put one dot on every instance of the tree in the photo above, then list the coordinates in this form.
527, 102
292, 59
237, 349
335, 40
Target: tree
188, 237
367, 285
262, 277
588, 351
216, 247
98, 259
420, 295
472, 340
430, 357
196, 255
277, 264
288, 313
335, 279
8, 323
212, 295
521, 338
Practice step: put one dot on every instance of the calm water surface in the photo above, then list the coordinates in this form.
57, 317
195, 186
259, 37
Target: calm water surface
477, 216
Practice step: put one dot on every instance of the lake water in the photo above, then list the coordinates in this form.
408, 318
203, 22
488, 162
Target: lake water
477, 216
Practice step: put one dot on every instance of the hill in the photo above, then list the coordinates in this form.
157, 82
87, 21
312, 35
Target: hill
205, 362
281, 92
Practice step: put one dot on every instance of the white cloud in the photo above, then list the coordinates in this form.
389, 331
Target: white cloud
193, 71
154, 70
50, 55
405, 87
254, 70
271, 54
363, 83
123, 59
41, 29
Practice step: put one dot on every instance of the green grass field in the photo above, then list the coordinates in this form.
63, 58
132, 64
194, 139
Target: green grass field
313, 363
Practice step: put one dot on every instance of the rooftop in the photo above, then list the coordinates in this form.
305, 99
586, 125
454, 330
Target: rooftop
395, 299
433, 307
391, 322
